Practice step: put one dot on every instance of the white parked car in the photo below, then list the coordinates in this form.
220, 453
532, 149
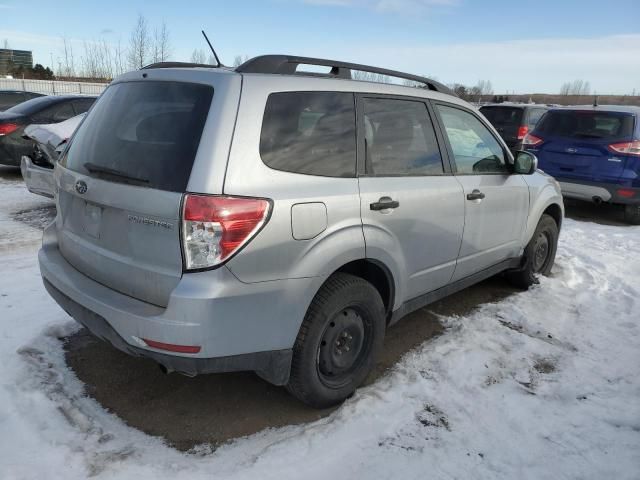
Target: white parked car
50, 140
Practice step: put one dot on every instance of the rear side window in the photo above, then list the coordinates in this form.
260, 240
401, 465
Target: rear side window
9, 99
586, 124
313, 133
400, 138
144, 133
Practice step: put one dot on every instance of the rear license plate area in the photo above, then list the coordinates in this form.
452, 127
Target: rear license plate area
92, 220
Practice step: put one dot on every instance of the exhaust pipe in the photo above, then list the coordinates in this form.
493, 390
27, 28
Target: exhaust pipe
164, 369
597, 200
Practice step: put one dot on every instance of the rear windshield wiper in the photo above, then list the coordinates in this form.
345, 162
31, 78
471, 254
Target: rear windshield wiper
110, 172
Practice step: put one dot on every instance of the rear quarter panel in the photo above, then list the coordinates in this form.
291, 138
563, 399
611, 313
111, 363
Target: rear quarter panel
544, 191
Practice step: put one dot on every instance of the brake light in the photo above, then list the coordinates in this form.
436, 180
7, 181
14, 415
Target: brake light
522, 131
216, 227
628, 148
626, 192
531, 141
7, 128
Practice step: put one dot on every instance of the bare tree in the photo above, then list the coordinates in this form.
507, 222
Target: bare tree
69, 68
198, 56
5, 44
161, 45
118, 59
139, 44
577, 87
239, 60
370, 77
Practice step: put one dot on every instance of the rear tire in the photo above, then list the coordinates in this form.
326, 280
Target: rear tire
632, 214
539, 254
338, 342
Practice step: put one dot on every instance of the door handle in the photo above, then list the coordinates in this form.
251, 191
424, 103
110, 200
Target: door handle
475, 195
384, 203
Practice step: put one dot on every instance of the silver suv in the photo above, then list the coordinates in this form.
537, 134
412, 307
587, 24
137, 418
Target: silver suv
275, 220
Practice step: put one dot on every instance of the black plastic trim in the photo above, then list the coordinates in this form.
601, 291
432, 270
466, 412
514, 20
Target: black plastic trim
273, 366
430, 297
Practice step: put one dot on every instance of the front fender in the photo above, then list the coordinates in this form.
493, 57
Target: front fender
544, 192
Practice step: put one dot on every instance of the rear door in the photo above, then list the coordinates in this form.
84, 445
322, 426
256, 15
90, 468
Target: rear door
575, 144
496, 201
122, 181
412, 207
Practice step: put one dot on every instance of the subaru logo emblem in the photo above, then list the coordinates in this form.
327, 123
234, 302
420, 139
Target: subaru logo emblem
81, 187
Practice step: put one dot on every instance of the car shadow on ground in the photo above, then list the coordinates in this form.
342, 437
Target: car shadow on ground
604, 214
219, 407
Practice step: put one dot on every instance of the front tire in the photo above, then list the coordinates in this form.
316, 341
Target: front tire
338, 342
632, 214
539, 254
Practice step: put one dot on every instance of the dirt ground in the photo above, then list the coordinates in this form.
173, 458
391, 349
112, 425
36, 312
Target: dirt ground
216, 408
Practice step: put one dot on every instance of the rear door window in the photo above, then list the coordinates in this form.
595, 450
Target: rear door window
475, 150
587, 125
144, 133
534, 117
312, 133
400, 139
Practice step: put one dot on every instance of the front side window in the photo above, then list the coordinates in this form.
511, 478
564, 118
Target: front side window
475, 149
312, 133
400, 139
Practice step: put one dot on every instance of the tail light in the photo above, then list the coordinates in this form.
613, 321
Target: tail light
628, 148
216, 227
626, 192
7, 128
531, 140
522, 131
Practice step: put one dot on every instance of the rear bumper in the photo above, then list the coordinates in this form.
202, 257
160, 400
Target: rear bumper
38, 180
590, 191
238, 326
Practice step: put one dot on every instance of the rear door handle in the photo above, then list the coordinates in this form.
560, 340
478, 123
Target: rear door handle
384, 203
475, 195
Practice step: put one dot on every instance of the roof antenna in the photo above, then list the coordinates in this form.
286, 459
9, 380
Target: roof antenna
215, 55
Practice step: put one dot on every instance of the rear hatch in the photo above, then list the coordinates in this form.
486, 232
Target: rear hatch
576, 143
122, 182
506, 120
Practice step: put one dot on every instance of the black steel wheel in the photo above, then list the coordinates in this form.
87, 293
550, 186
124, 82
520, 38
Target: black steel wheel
338, 342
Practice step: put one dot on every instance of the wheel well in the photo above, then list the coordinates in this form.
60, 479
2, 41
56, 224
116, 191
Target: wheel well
378, 275
555, 212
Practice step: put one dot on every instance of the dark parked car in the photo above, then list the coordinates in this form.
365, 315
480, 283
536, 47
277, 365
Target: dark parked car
594, 152
11, 98
36, 111
513, 121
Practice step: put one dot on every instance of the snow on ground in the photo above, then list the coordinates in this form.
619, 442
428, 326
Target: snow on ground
543, 384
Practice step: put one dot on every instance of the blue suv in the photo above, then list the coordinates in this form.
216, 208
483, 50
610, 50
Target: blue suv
594, 152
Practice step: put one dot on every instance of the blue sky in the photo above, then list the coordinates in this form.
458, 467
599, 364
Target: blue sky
519, 46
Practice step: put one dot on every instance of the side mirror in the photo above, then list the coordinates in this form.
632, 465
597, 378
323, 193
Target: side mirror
525, 163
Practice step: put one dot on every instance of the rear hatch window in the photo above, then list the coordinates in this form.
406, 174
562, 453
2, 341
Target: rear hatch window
143, 133
506, 120
503, 115
587, 125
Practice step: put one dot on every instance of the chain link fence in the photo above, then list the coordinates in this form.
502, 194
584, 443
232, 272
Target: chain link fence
52, 87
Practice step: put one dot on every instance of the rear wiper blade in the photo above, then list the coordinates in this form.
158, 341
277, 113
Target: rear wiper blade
93, 168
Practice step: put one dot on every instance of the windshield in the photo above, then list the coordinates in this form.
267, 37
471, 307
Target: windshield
144, 132
587, 124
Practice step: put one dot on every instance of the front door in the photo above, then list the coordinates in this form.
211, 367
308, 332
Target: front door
412, 207
496, 201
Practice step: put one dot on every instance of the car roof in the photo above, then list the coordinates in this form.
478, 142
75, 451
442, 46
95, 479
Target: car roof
515, 105
34, 105
600, 108
21, 91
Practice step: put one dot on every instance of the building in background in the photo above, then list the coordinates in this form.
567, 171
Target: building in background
11, 59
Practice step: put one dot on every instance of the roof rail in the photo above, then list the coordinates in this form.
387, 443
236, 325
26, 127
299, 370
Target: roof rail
287, 65
177, 65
